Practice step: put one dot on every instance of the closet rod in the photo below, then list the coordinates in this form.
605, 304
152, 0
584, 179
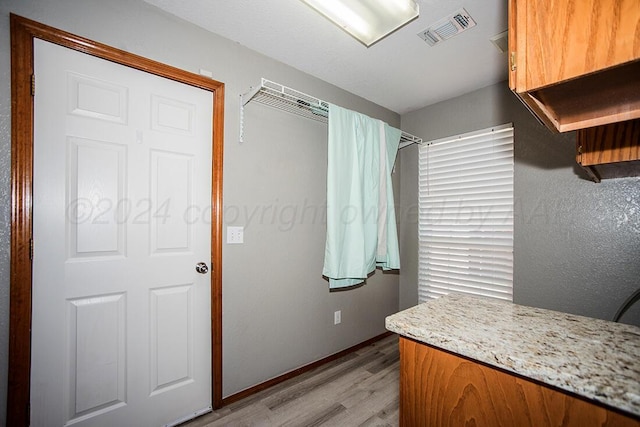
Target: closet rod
295, 102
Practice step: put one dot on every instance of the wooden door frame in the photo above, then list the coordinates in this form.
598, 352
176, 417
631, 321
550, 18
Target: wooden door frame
23, 33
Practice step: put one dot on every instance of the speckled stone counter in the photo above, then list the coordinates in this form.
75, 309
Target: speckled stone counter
593, 358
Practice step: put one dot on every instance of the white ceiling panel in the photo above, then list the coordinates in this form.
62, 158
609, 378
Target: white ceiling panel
401, 72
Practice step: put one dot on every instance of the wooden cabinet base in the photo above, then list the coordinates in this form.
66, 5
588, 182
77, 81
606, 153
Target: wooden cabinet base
441, 389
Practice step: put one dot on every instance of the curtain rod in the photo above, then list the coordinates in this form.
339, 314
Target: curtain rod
295, 102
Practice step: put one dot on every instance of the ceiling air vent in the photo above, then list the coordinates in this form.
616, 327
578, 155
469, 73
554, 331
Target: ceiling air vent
448, 27
501, 41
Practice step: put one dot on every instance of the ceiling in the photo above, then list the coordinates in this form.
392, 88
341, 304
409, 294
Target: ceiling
401, 72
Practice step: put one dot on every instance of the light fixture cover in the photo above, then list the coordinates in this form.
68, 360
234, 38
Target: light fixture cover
367, 20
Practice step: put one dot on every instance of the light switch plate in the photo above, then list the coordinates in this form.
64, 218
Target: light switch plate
235, 235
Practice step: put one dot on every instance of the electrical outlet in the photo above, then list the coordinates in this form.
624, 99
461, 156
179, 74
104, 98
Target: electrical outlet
337, 317
235, 235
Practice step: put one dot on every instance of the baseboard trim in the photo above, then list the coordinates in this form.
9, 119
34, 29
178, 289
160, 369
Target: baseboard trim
301, 370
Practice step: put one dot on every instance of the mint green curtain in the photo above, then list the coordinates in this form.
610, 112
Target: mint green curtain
361, 221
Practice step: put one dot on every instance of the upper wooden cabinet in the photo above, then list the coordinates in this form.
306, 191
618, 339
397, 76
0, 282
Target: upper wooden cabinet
576, 63
610, 151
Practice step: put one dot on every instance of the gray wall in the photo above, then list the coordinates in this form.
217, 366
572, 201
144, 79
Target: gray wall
576, 243
277, 309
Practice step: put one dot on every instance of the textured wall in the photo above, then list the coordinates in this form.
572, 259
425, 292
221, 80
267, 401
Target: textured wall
277, 310
576, 243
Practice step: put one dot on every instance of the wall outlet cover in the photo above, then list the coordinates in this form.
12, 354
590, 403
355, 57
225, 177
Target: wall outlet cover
235, 235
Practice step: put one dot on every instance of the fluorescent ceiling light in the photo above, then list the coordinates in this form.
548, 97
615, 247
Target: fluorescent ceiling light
367, 20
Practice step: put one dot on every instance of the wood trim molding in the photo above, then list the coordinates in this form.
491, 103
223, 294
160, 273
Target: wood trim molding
21, 186
299, 371
23, 32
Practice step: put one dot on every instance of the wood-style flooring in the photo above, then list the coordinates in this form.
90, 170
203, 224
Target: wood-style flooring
359, 389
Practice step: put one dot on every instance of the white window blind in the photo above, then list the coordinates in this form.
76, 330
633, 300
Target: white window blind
466, 215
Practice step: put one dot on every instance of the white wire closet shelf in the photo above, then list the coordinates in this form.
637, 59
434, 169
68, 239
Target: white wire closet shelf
295, 102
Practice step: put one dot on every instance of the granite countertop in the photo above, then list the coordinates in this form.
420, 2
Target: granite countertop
593, 358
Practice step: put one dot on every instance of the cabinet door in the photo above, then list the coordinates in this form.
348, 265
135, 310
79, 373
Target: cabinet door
442, 389
610, 151
564, 39
517, 43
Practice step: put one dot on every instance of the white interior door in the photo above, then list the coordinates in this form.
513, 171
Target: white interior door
121, 331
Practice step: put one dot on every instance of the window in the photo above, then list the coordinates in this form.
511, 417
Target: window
466, 215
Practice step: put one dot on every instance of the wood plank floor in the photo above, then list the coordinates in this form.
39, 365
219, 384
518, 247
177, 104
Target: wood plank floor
359, 389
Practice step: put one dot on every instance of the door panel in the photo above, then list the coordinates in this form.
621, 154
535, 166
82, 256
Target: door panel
96, 354
92, 231
171, 337
121, 320
171, 191
90, 97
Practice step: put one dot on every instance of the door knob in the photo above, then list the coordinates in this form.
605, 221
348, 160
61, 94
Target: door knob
202, 268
